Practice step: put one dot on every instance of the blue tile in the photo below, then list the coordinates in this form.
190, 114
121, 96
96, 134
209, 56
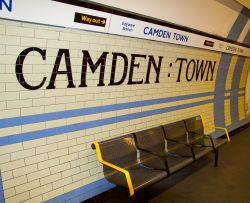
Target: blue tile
11, 122
83, 193
1, 190
17, 138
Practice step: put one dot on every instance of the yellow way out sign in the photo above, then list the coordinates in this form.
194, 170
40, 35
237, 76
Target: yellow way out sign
90, 20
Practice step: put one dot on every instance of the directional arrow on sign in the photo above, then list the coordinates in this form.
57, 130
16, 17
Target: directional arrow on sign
103, 21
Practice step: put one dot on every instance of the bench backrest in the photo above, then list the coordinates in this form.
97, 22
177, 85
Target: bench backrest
175, 131
120, 151
195, 125
151, 139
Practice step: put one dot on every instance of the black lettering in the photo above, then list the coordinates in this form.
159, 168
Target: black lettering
19, 67
211, 67
132, 66
88, 60
68, 71
157, 68
200, 69
113, 70
180, 68
187, 71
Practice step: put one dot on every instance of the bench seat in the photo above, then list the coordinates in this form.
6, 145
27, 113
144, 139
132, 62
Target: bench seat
171, 157
141, 177
121, 166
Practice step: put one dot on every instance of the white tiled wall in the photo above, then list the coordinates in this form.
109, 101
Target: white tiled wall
40, 169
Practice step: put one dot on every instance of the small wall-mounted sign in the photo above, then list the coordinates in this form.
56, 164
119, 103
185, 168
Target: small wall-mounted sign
208, 43
90, 20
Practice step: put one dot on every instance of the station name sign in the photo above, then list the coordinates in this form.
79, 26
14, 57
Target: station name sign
75, 16
194, 70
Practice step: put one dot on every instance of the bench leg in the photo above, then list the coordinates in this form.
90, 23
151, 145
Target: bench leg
216, 156
193, 154
145, 196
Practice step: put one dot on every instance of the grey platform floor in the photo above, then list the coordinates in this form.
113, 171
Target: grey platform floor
202, 182
229, 182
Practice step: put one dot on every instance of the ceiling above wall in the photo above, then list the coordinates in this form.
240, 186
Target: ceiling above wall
245, 3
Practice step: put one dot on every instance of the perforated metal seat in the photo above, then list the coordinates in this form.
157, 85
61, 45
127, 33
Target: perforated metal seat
122, 152
195, 129
194, 125
177, 132
152, 142
191, 132
162, 150
219, 142
141, 177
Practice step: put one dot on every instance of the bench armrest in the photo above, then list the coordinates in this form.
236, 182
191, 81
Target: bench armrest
220, 128
216, 127
96, 146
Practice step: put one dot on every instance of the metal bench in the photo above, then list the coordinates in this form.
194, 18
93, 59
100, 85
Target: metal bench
121, 166
138, 160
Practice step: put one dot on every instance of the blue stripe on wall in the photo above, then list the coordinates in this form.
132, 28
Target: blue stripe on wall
238, 25
246, 12
83, 193
11, 122
239, 95
17, 138
235, 88
1, 190
236, 84
247, 38
240, 89
220, 86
